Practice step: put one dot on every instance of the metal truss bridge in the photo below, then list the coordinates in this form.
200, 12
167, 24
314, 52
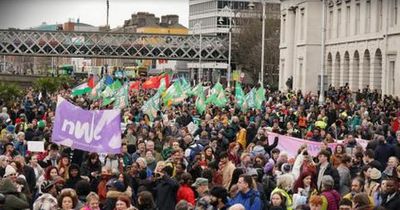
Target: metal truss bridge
113, 45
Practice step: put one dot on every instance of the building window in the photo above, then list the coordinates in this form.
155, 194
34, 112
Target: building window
347, 21
338, 22
301, 74
302, 24
368, 17
395, 11
391, 85
283, 28
379, 17
357, 24
330, 25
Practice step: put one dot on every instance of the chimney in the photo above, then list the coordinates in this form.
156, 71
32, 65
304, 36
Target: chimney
170, 19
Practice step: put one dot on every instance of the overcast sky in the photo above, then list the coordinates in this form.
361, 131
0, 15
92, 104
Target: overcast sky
24, 14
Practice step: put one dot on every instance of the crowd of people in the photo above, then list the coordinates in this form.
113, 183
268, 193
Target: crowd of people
226, 163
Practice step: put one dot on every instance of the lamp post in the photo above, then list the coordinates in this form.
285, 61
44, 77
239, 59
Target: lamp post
197, 26
321, 94
264, 4
228, 12
108, 9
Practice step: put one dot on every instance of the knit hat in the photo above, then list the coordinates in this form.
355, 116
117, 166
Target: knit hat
374, 174
41, 124
46, 186
9, 171
116, 184
10, 128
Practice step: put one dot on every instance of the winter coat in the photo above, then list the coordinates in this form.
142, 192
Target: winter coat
332, 200
88, 168
383, 152
13, 198
289, 200
393, 203
30, 176
165, 193
250, 200
227, 172
111, 199
331, 171
241, 138
185, 193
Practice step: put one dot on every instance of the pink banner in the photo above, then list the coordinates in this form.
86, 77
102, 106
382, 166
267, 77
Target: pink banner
291, 144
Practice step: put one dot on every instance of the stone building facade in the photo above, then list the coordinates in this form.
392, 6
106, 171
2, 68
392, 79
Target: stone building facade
362, 44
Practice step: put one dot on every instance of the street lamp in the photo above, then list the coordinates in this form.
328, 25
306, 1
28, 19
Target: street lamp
108, 11
197, 26
321, 94
264, 3
227, 10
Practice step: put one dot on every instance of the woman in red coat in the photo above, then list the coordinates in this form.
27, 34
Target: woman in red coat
185, 192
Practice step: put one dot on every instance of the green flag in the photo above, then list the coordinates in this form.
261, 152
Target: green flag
185, 85
259, 97
217, 96
248, 102
111, 90
175, 94
200, 103
107, 101
121, 98
98, 88
116, 85
151, 106
239, 94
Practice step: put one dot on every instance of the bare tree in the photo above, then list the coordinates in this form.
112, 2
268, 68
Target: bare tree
246, 49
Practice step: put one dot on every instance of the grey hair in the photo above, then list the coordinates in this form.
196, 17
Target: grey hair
285, 181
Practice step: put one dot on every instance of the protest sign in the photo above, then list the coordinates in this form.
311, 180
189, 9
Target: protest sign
93, 131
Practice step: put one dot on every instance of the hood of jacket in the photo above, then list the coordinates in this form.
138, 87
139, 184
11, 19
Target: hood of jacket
7, 186
114, 194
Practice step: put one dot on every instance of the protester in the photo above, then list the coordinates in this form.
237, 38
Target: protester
248, 145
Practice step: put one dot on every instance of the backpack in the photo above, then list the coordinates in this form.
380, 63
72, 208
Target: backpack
194, 151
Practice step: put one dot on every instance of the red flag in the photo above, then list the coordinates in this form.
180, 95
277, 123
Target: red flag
152, 83
91, 82
167, 82
134, 85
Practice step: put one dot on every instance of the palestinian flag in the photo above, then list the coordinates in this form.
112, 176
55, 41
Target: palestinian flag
81, 89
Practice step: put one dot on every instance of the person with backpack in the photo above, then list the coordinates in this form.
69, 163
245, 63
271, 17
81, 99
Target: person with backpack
192, 149
247, 196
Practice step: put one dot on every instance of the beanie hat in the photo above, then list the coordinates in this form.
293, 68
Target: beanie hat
10, 128
116, 184
374, 174
9, 170
41, 124
46, 185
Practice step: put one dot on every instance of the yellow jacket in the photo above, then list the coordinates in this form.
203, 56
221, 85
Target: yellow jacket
241, 138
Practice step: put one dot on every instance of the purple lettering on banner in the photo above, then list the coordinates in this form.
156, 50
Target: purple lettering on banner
93, 131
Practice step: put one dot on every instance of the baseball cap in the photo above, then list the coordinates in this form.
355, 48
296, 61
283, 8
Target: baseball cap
200, 181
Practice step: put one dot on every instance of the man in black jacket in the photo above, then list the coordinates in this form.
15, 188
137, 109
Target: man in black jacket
165, 190
391, 194
325, 168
